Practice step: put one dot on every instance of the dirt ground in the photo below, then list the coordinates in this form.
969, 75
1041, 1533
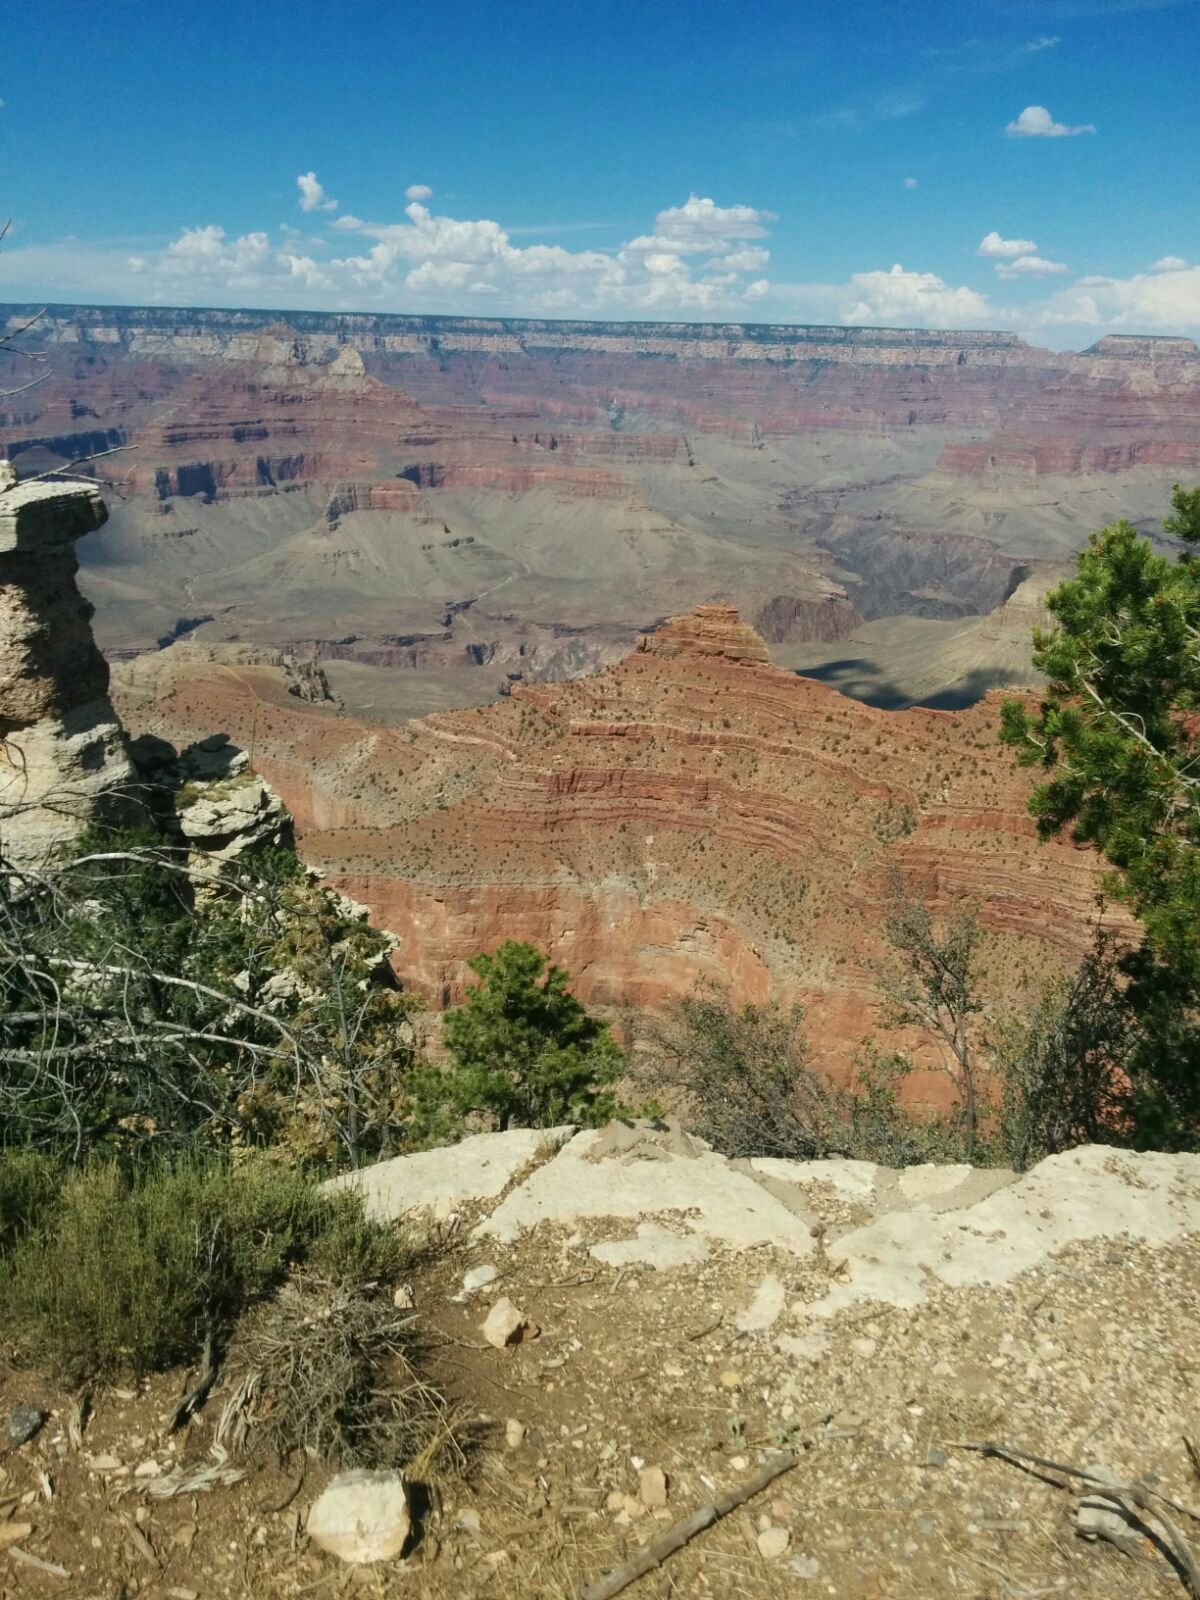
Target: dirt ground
1091, 1359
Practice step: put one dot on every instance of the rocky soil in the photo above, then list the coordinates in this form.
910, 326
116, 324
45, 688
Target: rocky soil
873, 1324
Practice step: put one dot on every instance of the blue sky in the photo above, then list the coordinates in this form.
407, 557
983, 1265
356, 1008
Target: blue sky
995, 163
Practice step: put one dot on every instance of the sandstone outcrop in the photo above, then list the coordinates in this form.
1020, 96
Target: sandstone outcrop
904, 1233
64, 761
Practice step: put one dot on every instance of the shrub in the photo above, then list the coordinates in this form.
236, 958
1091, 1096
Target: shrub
137, 1269
150, 999
329, 1369
745, 1078
1063, 1066
748, 1087
525, 1051
30, 1186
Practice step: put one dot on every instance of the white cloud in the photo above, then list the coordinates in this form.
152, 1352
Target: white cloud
910, 183
750, 258
312, 194
1029, 267
702, 259
1157, 302
906, 298
418, 191
993, 245
704, 225
1035, 122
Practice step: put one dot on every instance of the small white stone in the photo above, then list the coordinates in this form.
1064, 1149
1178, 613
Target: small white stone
514, 1433
506, 1324
479, 1278
773, 1543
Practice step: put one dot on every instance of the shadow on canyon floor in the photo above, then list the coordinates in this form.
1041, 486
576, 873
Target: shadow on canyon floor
860, 678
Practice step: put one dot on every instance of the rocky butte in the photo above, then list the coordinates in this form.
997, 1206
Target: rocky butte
431, 505
692, 812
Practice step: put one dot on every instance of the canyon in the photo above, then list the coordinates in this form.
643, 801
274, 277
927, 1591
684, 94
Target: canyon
691, 813
435, 507
513, 616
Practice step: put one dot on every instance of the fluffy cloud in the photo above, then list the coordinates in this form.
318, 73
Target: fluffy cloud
418, 191
907, 298
312, 194
910, 183
1029, 267
1158, 302
993, 245
1035, 122
704, 225
751, 258
702, 259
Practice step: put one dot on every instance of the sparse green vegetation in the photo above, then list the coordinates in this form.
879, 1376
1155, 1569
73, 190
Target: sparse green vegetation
133, 1269
525, 1053
1117, 741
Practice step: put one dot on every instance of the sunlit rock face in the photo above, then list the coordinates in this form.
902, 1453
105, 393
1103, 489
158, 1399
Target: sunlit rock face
64, 756
691, 812
496, 497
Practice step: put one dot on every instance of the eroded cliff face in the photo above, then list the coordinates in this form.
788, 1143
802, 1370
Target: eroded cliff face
691, 812
63, 759
454, 494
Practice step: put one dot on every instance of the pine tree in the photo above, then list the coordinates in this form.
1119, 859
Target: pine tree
1117, 736
525, 1051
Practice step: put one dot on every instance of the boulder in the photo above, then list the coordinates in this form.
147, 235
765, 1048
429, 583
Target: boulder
362, 1517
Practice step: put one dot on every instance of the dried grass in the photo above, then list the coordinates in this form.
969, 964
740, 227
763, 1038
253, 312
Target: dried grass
333, 1371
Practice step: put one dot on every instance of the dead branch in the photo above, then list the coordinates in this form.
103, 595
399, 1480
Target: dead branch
1129, 1498
78, 461
681, 1533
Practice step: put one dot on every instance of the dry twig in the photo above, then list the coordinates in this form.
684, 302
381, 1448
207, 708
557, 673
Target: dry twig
1129, 1498
681, 1533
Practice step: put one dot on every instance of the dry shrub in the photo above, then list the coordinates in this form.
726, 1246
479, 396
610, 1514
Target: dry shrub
334, 1370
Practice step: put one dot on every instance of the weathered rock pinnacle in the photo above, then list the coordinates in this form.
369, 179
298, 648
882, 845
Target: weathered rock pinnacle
63, 757
713, 630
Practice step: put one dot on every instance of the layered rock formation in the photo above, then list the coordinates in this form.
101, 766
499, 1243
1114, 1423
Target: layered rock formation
445, 495
63, 759
691, 812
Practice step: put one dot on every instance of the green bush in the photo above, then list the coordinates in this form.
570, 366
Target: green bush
525, 1051
745, 1082
30, 1186
136, 1269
